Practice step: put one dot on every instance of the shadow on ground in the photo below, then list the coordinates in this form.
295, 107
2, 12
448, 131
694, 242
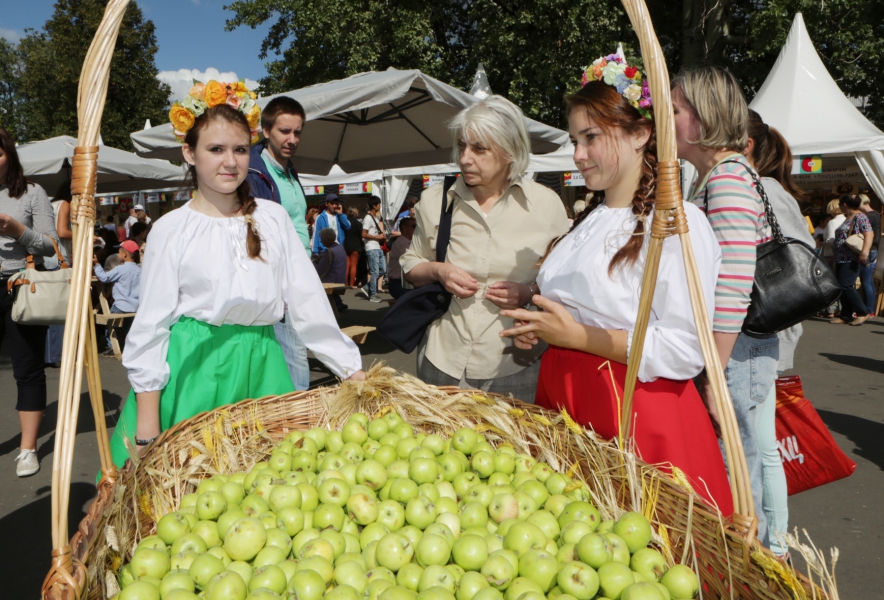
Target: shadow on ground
860, 362
27, 534
866, 434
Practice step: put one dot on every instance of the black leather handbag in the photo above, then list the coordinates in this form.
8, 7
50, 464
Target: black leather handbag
792, 281
405, 323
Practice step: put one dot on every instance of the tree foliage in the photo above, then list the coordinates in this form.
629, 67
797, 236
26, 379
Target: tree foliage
535, 50
10, 72
51, 62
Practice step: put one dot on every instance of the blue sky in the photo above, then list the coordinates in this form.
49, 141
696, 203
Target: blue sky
190, 35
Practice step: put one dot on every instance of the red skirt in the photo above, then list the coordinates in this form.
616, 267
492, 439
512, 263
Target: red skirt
670, 421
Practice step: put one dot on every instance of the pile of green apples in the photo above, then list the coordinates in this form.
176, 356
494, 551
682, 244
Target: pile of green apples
375, 512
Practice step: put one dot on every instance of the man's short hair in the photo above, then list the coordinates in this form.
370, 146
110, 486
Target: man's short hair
328, 236
407, 221
282, 105
373, 201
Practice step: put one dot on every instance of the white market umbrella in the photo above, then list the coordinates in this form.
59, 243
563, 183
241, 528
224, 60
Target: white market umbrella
48, 163
370, 121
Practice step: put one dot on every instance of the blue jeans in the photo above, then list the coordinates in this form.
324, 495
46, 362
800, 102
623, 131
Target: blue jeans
295, 352
776, 489
750, 372
54, 342
376, 268
851, 301
867, 277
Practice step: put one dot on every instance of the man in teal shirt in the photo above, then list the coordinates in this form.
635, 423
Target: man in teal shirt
272, 177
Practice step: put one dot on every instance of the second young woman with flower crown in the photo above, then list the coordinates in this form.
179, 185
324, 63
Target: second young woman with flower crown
216, 277
590, 284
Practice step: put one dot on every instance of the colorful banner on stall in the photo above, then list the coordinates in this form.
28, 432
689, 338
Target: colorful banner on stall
110, 200
126, 204
355, 188
183, 195
573, 179
810, 165
314, 190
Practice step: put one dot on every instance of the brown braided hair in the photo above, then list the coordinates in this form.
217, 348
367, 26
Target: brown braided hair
247, 204
610, 110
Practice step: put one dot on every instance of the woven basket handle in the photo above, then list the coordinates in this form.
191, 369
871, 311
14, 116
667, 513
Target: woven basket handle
67, 577
669, 219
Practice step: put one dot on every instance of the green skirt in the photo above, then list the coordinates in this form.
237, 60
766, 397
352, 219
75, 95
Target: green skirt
209, 367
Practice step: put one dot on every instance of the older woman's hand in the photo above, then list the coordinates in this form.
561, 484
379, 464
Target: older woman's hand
508, 295
456, 280
11, 227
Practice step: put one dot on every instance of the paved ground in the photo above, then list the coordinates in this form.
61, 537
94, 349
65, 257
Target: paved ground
843, 373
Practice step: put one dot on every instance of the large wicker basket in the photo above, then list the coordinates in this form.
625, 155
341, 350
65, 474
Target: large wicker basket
234, 438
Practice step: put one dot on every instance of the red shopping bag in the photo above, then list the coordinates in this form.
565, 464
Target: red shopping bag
811, 457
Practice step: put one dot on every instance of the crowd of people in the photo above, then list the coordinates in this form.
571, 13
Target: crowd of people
228, 296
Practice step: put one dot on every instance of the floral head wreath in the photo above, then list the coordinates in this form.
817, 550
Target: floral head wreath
205, 96
613, 70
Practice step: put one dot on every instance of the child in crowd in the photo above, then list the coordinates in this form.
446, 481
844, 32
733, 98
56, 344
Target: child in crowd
331, 264
127, 284
402, 243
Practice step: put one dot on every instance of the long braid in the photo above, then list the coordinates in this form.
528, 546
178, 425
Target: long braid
642, 205
248, 206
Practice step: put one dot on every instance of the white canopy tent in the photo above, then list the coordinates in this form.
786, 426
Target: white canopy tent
804, 103
48, 163
374, 120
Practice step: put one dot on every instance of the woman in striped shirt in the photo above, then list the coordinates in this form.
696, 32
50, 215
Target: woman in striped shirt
711, 122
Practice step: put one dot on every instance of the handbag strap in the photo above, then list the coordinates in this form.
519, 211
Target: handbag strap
62, 263
444, 235
777, 233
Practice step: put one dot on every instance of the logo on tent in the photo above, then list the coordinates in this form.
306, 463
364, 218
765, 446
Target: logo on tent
812, 164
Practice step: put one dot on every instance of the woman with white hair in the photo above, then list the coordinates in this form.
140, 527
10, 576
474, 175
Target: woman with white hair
501, 226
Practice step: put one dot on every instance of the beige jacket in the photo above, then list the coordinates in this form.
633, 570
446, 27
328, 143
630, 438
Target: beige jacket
505, 245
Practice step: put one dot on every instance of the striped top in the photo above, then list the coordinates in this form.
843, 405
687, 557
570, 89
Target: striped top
736, 214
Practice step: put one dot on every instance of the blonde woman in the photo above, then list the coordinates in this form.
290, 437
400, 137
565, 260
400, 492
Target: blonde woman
501, 226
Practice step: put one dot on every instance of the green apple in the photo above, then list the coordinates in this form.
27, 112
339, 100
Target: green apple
403, 490
317, 547
595, 550
499, 480
501, 507
643, 591
152, 541
681, 582
463, 482
482, 463
450, 520
521, 585
375, 589
556, 484
546, 522
172, 526
268, 519
354, 432
618, 547
574, 531
280, 539
580, 511
291, 520
190, 542
398, 469
377, 428
380, 572
394, 551
409, 576
280, 460
372, 533
352, 543
386, 454
635, 530
522, 537
328, 515
244, 539
227, 585
150, 562
504, 462
334, 441
336, 539
580, 493
304, 462
470, 584
442, 530
254, 506
432, 550
318, 435
343, 592
423, 470
204, 567
473, 514
555, 504
420, 512
233, 492
333, 491
412, 533
614, 577
397, 592
498, 571
269, 555
436, 575
527, 504
539, 566
579, 580
140, 590
649, 562
208, 531
362, 509
464, 440
391, 514
536, 490
420, 452
284, 496
429, 490
320, 565
494, 541
219, 552
302, 538
307, 585
470, 552
482, 493
524, 463
372, 474
213, 484
446, 505
351, 573
504, 527
352, 453
567, 553
182, 561
176, 581
489, 593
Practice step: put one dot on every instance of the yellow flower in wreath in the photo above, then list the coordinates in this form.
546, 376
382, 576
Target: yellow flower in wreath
216, 93
181, 118
254, 117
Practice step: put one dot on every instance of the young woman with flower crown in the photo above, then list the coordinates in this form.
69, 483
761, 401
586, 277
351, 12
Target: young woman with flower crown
590, 284
216, 276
